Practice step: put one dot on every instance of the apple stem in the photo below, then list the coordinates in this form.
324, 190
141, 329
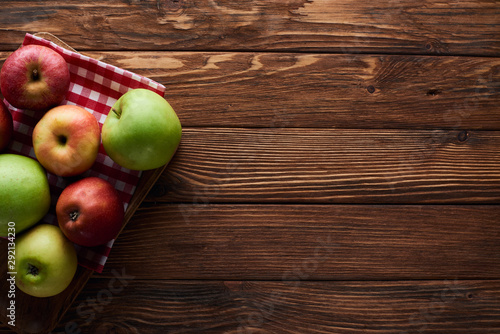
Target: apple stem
116, 112
32, 270
35, 75
74, 215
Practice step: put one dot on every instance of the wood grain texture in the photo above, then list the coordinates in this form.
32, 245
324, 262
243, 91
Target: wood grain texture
338, 172
310, 242
347, 26
323, 90
215, 165
242, 307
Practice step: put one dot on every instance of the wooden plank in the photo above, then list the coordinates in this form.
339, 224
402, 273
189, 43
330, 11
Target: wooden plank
388, 26
159, 306
222, 165
320, 90
310, 242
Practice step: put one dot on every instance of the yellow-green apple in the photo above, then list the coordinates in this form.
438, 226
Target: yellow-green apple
141, 131
90, 212
24, 192
6, 126
34, 77
46, 261
66, 140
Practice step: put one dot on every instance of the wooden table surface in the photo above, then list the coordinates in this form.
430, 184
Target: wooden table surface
339, 170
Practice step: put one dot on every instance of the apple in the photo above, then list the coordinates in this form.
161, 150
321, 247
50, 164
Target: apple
90, 212
6, 126
46, 261
141, 131
24, 192
66, 140
34, 77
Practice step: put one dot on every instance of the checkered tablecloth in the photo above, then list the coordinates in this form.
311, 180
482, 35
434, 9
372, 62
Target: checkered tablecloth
94, 86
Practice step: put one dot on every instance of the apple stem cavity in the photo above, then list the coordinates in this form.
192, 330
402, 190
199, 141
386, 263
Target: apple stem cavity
35, 75
32, 270
74, 215
62, 139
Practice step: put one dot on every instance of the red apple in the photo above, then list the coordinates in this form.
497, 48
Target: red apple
90, 212
6, 126
66, 140
34, 77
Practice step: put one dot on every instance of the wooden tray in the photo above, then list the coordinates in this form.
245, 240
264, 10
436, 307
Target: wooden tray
41, 315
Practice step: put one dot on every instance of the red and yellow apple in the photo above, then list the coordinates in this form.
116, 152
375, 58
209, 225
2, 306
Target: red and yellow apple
34, 77
6, 126
46, 261
90, 212
141, 131
66, 140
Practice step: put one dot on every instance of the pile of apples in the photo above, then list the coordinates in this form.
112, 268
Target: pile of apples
141, 132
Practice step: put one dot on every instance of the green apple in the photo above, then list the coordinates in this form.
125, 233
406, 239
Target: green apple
141, 131
24, 192
45, 261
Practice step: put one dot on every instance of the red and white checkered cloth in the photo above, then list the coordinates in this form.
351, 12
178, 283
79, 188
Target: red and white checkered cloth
94, 86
